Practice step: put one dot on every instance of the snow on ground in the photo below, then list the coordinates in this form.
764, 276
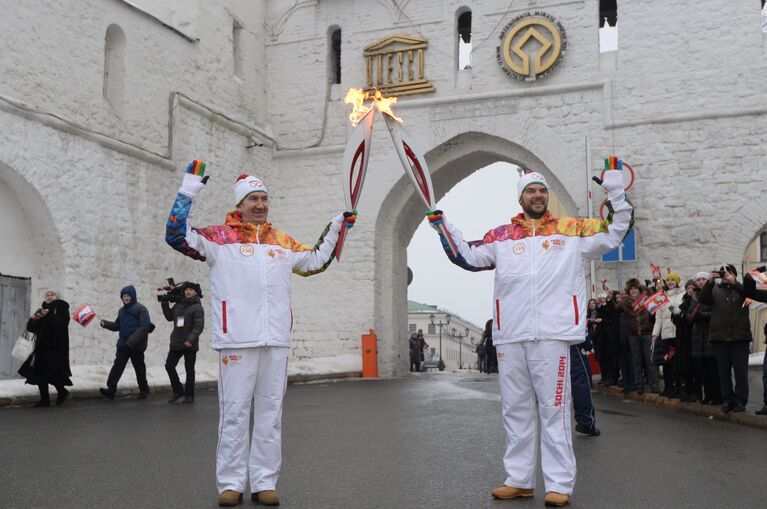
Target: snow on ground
88, 379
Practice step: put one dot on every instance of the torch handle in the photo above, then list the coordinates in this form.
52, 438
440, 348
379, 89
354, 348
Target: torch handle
597, 180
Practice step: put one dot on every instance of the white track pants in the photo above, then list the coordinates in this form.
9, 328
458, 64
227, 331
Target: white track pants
537, 371
258, 377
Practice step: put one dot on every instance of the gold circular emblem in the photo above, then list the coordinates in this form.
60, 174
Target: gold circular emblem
246, 250
531, 46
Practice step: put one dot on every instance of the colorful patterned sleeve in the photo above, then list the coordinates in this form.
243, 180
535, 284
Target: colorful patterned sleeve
308, 261
599, 237
475, 255
177, 233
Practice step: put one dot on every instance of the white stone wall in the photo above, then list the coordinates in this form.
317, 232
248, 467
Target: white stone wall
682, 100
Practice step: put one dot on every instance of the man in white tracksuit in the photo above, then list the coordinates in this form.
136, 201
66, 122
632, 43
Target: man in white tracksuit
251, 263
540, 310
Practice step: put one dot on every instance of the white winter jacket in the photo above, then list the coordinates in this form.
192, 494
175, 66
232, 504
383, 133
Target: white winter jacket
251, 268
664, 328
540, 289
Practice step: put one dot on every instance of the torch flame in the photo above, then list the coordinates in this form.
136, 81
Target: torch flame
357, 98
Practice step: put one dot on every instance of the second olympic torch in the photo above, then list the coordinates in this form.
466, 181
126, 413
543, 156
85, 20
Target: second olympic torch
415, 167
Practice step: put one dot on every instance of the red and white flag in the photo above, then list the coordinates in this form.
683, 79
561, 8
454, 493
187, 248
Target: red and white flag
759, 277
656, 302
639, 304
84, 314
655, 272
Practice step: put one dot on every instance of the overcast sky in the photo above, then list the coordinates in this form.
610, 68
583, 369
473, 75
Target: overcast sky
484, 200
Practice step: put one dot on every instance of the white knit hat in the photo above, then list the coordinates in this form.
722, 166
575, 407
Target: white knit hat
530, 178
245, 185
701, 275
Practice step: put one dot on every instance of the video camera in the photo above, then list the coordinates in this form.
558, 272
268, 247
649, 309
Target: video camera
173, 292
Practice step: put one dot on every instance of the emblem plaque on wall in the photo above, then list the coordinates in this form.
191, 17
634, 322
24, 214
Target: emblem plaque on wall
532, 45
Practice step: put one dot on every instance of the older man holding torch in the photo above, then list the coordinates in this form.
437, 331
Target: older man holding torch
251, 262
540, 310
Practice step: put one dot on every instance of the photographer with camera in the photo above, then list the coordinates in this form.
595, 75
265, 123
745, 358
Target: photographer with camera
188, 320
730, 334
134, 326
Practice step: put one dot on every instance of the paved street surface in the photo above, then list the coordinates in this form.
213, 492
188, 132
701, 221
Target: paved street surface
429, 440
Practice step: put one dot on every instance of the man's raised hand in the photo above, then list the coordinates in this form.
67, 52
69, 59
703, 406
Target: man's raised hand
613, 184
194, 178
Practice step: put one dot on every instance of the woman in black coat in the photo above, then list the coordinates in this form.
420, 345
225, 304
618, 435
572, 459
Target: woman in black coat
49, 362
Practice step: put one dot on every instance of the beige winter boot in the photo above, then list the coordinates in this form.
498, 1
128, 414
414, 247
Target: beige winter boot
229, 498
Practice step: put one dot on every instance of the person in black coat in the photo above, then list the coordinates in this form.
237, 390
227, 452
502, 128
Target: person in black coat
134, 326
188, 320
49, 362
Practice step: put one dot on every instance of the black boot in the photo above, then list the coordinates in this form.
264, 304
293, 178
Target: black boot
108, 393
61, 396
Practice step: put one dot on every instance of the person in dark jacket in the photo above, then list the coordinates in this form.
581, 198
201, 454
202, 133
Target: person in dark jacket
134, 326
188, 320
684, 342
422, 346
750, 291
49, 362
640, 324
491, 354
415, 356
608, 341
705, 387
730, 335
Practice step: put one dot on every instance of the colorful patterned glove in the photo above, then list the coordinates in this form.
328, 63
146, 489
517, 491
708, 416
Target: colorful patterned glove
613, 184
194, 179
435, 217
351, 218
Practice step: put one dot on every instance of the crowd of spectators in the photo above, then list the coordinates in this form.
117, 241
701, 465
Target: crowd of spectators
696, 337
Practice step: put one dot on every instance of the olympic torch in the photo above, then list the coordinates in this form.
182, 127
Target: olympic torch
414, 164
356, 157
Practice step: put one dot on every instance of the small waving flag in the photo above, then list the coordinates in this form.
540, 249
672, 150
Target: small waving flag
656, 302
639, 304
655, 272
759, 277
84, 314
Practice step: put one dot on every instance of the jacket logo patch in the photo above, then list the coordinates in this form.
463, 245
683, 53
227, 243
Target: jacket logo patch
518, 248
231, 359
274, 253
246, 250
555, 243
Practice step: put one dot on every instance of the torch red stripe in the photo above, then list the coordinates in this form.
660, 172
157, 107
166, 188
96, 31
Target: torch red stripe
355, 187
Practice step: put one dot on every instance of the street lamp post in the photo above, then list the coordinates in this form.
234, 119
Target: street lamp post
441, 365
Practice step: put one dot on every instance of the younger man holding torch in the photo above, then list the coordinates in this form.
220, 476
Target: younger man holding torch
251, 262
540, 310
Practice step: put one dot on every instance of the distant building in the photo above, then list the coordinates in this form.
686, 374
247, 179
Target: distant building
459, 336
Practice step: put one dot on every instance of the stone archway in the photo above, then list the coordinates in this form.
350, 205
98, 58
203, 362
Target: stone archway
31, 243
455, 154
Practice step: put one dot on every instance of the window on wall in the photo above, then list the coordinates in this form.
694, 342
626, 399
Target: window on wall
237, 50
608, 31
114, 67
464, 39
334, 57
763, 247
411, 327
432, 329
